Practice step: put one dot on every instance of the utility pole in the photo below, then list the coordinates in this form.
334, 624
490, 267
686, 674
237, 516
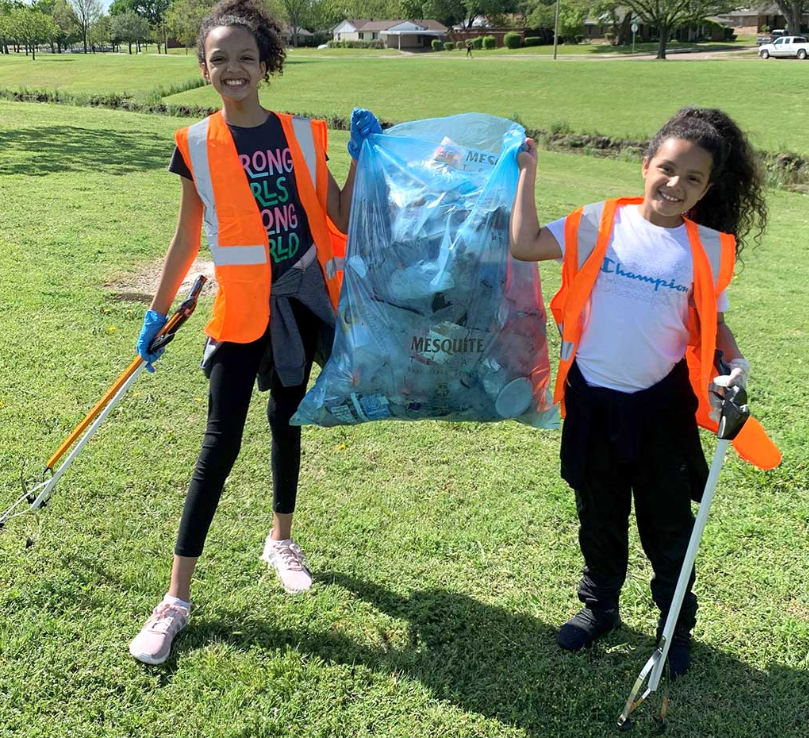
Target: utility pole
556, 29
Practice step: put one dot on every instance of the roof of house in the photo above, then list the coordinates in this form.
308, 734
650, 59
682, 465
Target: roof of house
375, 24
762, 9
301, 31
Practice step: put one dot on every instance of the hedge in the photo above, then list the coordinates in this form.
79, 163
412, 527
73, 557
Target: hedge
512, 40
436, 44
448, 45
489, 42
356, 45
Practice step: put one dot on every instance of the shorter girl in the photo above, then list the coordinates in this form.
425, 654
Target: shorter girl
274, 218
641, 314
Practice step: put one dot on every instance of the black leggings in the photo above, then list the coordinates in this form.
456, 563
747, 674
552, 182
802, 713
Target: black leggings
234, 369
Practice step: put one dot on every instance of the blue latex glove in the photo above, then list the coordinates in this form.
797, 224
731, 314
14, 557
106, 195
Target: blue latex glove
152, 323
363, 124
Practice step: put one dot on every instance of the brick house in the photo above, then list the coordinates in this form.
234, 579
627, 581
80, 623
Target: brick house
750, 21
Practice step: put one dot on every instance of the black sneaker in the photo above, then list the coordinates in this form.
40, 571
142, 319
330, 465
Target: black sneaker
679, 657
587, 626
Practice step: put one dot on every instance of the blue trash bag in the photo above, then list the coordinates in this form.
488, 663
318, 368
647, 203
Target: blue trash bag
436, 321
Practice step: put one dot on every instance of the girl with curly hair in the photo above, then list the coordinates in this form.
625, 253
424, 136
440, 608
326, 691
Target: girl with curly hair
274, 218
641, 313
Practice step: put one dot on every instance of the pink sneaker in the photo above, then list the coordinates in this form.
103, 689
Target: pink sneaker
289, 563
153, 644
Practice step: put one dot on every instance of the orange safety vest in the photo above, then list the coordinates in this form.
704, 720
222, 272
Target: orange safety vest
233, 226
587, 235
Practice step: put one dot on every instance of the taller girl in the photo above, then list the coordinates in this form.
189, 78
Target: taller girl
274, 219
641, 313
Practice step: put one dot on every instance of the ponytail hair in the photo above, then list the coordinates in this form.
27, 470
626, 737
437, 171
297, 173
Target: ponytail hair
735, 201
247, 14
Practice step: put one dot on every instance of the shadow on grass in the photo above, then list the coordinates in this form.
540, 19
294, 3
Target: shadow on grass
44, 150
507, 666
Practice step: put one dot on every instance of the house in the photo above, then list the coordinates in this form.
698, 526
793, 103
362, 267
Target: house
287, 34
600, 28
751, 21
393, 34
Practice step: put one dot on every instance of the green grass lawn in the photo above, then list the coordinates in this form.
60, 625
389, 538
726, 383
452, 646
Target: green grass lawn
445, 554
628, 99
96, 73
632, 98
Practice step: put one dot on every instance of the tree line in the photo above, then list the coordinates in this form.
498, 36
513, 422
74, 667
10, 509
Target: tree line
63, 24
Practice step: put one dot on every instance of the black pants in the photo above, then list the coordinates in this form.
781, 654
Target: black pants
663, 473
233, 373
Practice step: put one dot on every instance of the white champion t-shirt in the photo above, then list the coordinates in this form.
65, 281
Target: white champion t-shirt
636, 321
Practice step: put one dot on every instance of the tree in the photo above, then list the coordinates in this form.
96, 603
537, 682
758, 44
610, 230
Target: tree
128, 27
155, 12
63, 18
100, 33
667, 15
619, 16
87, 12
571, 16
793, 10
296, 13
5, 25
448, 12
184, 17
31, 27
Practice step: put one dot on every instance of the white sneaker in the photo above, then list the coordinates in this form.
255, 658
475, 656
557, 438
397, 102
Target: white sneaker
289, 563
153, 644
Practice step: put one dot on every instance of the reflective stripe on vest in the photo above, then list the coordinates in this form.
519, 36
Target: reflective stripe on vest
306, 140
200, 166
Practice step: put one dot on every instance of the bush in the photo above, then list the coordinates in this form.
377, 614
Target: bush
729, 34
356, 45
477, 43
449, 45
489, 42
532, 41
512, 40
436, 44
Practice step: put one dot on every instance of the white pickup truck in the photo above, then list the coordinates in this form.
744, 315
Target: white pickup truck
786, 46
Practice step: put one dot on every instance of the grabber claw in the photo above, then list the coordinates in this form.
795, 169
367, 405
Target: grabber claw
38, 495
734, 415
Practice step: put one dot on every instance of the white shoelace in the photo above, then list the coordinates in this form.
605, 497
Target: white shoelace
291, 556
166, 618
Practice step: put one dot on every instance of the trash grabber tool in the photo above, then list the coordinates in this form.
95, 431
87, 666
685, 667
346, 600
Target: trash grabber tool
37, 496
734, 414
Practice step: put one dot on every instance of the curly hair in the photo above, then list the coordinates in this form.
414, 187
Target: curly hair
735, 201
247, 14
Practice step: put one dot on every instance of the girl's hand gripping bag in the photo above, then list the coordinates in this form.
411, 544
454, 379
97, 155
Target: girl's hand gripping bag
436, 321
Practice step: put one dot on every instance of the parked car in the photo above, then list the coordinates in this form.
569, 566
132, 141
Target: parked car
770, 38
796, 47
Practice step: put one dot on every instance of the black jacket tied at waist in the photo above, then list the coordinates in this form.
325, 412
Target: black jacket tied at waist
627, 419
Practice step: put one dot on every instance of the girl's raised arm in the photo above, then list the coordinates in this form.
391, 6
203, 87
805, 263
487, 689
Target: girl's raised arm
529, 241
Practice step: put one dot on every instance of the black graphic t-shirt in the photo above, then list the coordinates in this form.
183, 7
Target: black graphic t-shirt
264, 153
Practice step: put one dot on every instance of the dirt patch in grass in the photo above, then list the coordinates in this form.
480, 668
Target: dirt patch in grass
141, 286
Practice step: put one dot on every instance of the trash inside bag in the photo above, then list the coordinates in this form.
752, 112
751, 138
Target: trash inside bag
436, 321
